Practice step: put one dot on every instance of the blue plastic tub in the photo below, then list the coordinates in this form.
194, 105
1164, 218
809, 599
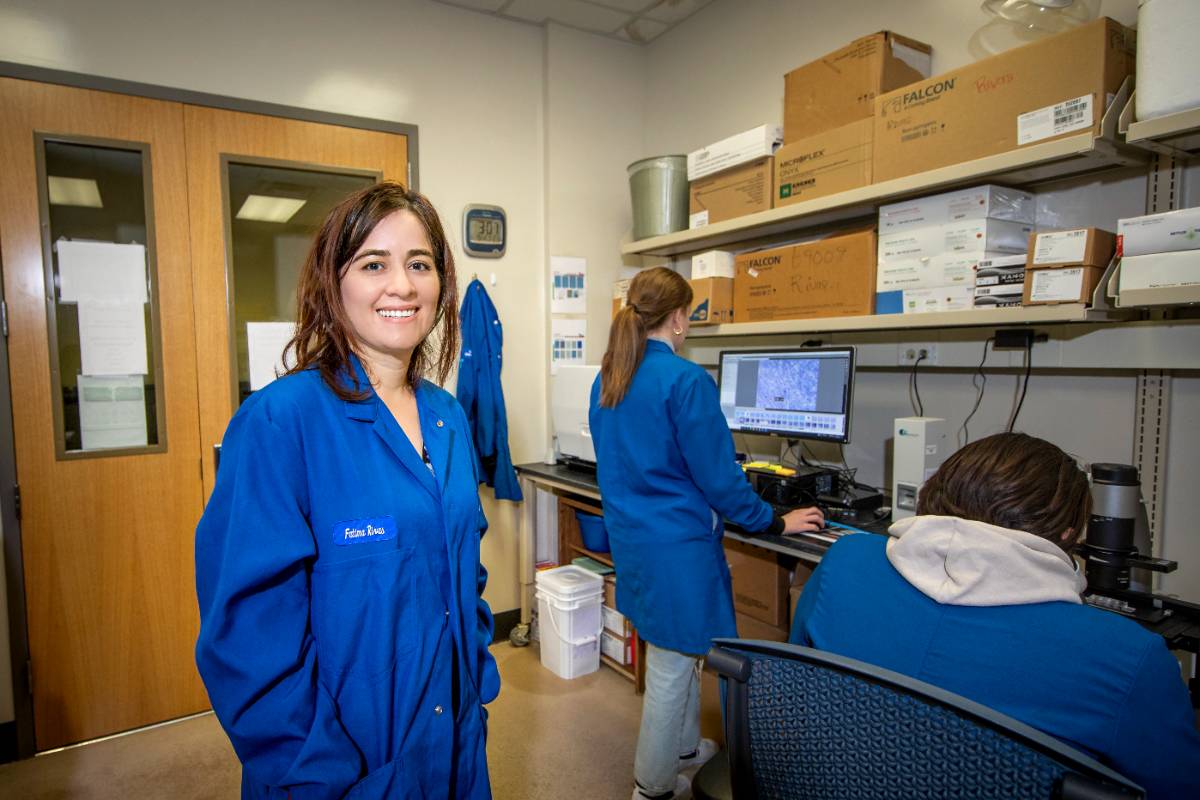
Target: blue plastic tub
591, 530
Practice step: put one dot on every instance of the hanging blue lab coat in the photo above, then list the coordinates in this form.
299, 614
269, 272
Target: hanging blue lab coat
343, 635
666, 469
479, 391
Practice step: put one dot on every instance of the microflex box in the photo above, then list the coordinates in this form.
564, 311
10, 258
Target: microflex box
980, 202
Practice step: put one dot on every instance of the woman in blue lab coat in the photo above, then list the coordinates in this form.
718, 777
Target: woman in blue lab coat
666, 469
343, 636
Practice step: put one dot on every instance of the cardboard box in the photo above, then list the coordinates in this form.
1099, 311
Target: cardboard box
732, 193
979, 202
800, 576
712, 264
926, 273
833, 161
1060, 285
746, 146
1054, 87
841, 87
617, 648
751, 628
1170, 232
1083, 247
760, 583
1161, 270
615, 622
712, 301
942, 298
620, 295
711, 719
610, 591
972, 237
833, 277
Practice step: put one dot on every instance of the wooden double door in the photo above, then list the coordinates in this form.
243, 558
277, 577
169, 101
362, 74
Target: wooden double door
114, 450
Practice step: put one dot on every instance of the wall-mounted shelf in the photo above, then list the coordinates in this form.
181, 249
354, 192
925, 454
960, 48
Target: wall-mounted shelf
1175, 134
1059, 158
969, 318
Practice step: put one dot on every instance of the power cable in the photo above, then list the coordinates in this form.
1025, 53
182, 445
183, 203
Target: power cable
979, 381
913, 390
1024, 388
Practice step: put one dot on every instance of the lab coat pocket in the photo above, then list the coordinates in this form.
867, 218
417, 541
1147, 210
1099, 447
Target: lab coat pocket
385, 781
358, 613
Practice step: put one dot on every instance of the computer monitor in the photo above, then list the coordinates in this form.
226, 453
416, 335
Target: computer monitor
799, 394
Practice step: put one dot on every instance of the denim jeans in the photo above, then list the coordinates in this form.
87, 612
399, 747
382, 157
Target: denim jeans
670, 718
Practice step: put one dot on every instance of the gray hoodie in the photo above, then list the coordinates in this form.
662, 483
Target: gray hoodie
962, 562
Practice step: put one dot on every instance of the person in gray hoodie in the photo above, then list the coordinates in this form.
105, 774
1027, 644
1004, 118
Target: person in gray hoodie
979, 595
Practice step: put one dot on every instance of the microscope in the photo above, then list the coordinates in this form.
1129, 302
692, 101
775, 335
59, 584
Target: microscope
1117, 570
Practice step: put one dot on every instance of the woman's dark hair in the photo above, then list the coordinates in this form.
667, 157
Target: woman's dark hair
653, 295
324, 336
1015, 481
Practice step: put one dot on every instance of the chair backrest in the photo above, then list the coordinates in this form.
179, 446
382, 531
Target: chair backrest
802, 723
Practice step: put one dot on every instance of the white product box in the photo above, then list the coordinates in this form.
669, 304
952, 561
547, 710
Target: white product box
616, 648
1160, 270
1002, 289
975, 237
712, 264
942, 298
980, 202
1002, 262
999, 301
614, 621
998, 279
737, 149
1159, 233
942, 270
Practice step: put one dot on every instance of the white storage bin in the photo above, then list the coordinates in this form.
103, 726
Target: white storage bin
569, 619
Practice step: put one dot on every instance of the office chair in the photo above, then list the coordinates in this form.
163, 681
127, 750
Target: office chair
801, 723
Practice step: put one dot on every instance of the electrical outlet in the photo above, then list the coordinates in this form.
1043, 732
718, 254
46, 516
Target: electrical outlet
909, 352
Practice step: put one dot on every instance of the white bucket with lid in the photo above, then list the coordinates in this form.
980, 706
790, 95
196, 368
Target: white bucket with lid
569, 620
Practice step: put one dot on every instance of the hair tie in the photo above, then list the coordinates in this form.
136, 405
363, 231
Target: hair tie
635, 308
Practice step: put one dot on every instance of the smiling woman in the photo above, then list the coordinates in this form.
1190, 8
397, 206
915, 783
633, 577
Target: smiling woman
346, 650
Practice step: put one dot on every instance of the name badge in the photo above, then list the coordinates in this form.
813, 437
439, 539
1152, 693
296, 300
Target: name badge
359, 531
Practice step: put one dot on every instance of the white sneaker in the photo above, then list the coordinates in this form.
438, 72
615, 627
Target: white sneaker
704, 751
683, 791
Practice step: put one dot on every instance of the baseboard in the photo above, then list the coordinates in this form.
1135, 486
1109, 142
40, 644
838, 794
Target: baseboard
8, 742
505, 622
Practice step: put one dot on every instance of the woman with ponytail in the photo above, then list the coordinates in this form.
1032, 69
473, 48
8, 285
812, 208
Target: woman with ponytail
666, 469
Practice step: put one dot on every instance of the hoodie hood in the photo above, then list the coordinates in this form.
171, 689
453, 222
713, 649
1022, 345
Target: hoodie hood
963, 562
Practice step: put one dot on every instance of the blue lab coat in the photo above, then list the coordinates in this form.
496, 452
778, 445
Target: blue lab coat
666, 469
1094, 679
343, 636
480, 393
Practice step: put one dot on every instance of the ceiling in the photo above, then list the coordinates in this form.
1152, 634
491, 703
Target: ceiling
637, 21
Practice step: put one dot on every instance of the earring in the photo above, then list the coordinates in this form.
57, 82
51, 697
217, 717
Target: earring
677, 331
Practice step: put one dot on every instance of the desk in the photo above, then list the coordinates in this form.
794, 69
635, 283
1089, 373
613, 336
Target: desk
579, 489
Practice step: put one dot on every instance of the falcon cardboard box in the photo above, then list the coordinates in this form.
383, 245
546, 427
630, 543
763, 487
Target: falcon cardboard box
830, 162
840, 88
712, 301
1051, 88
833, 277
731, 193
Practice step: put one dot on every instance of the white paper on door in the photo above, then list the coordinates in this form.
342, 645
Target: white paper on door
104, 272
265, 343
112, 411
112, 338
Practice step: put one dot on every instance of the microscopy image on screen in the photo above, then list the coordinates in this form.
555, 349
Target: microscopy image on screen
788, 384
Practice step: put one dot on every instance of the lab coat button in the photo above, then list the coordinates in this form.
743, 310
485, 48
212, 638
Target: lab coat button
439, 423
437, 709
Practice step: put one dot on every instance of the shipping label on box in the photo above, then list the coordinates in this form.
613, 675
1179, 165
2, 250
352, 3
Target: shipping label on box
830, 162
1082, 247
975, 111
833, 277
1159, 233
746, 146
712, 301
942, 298
979, 202
1161, 270
841, 87
1061, 285
973, 237
733, 193
712, 264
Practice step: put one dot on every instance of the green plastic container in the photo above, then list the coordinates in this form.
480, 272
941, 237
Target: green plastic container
659, 189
